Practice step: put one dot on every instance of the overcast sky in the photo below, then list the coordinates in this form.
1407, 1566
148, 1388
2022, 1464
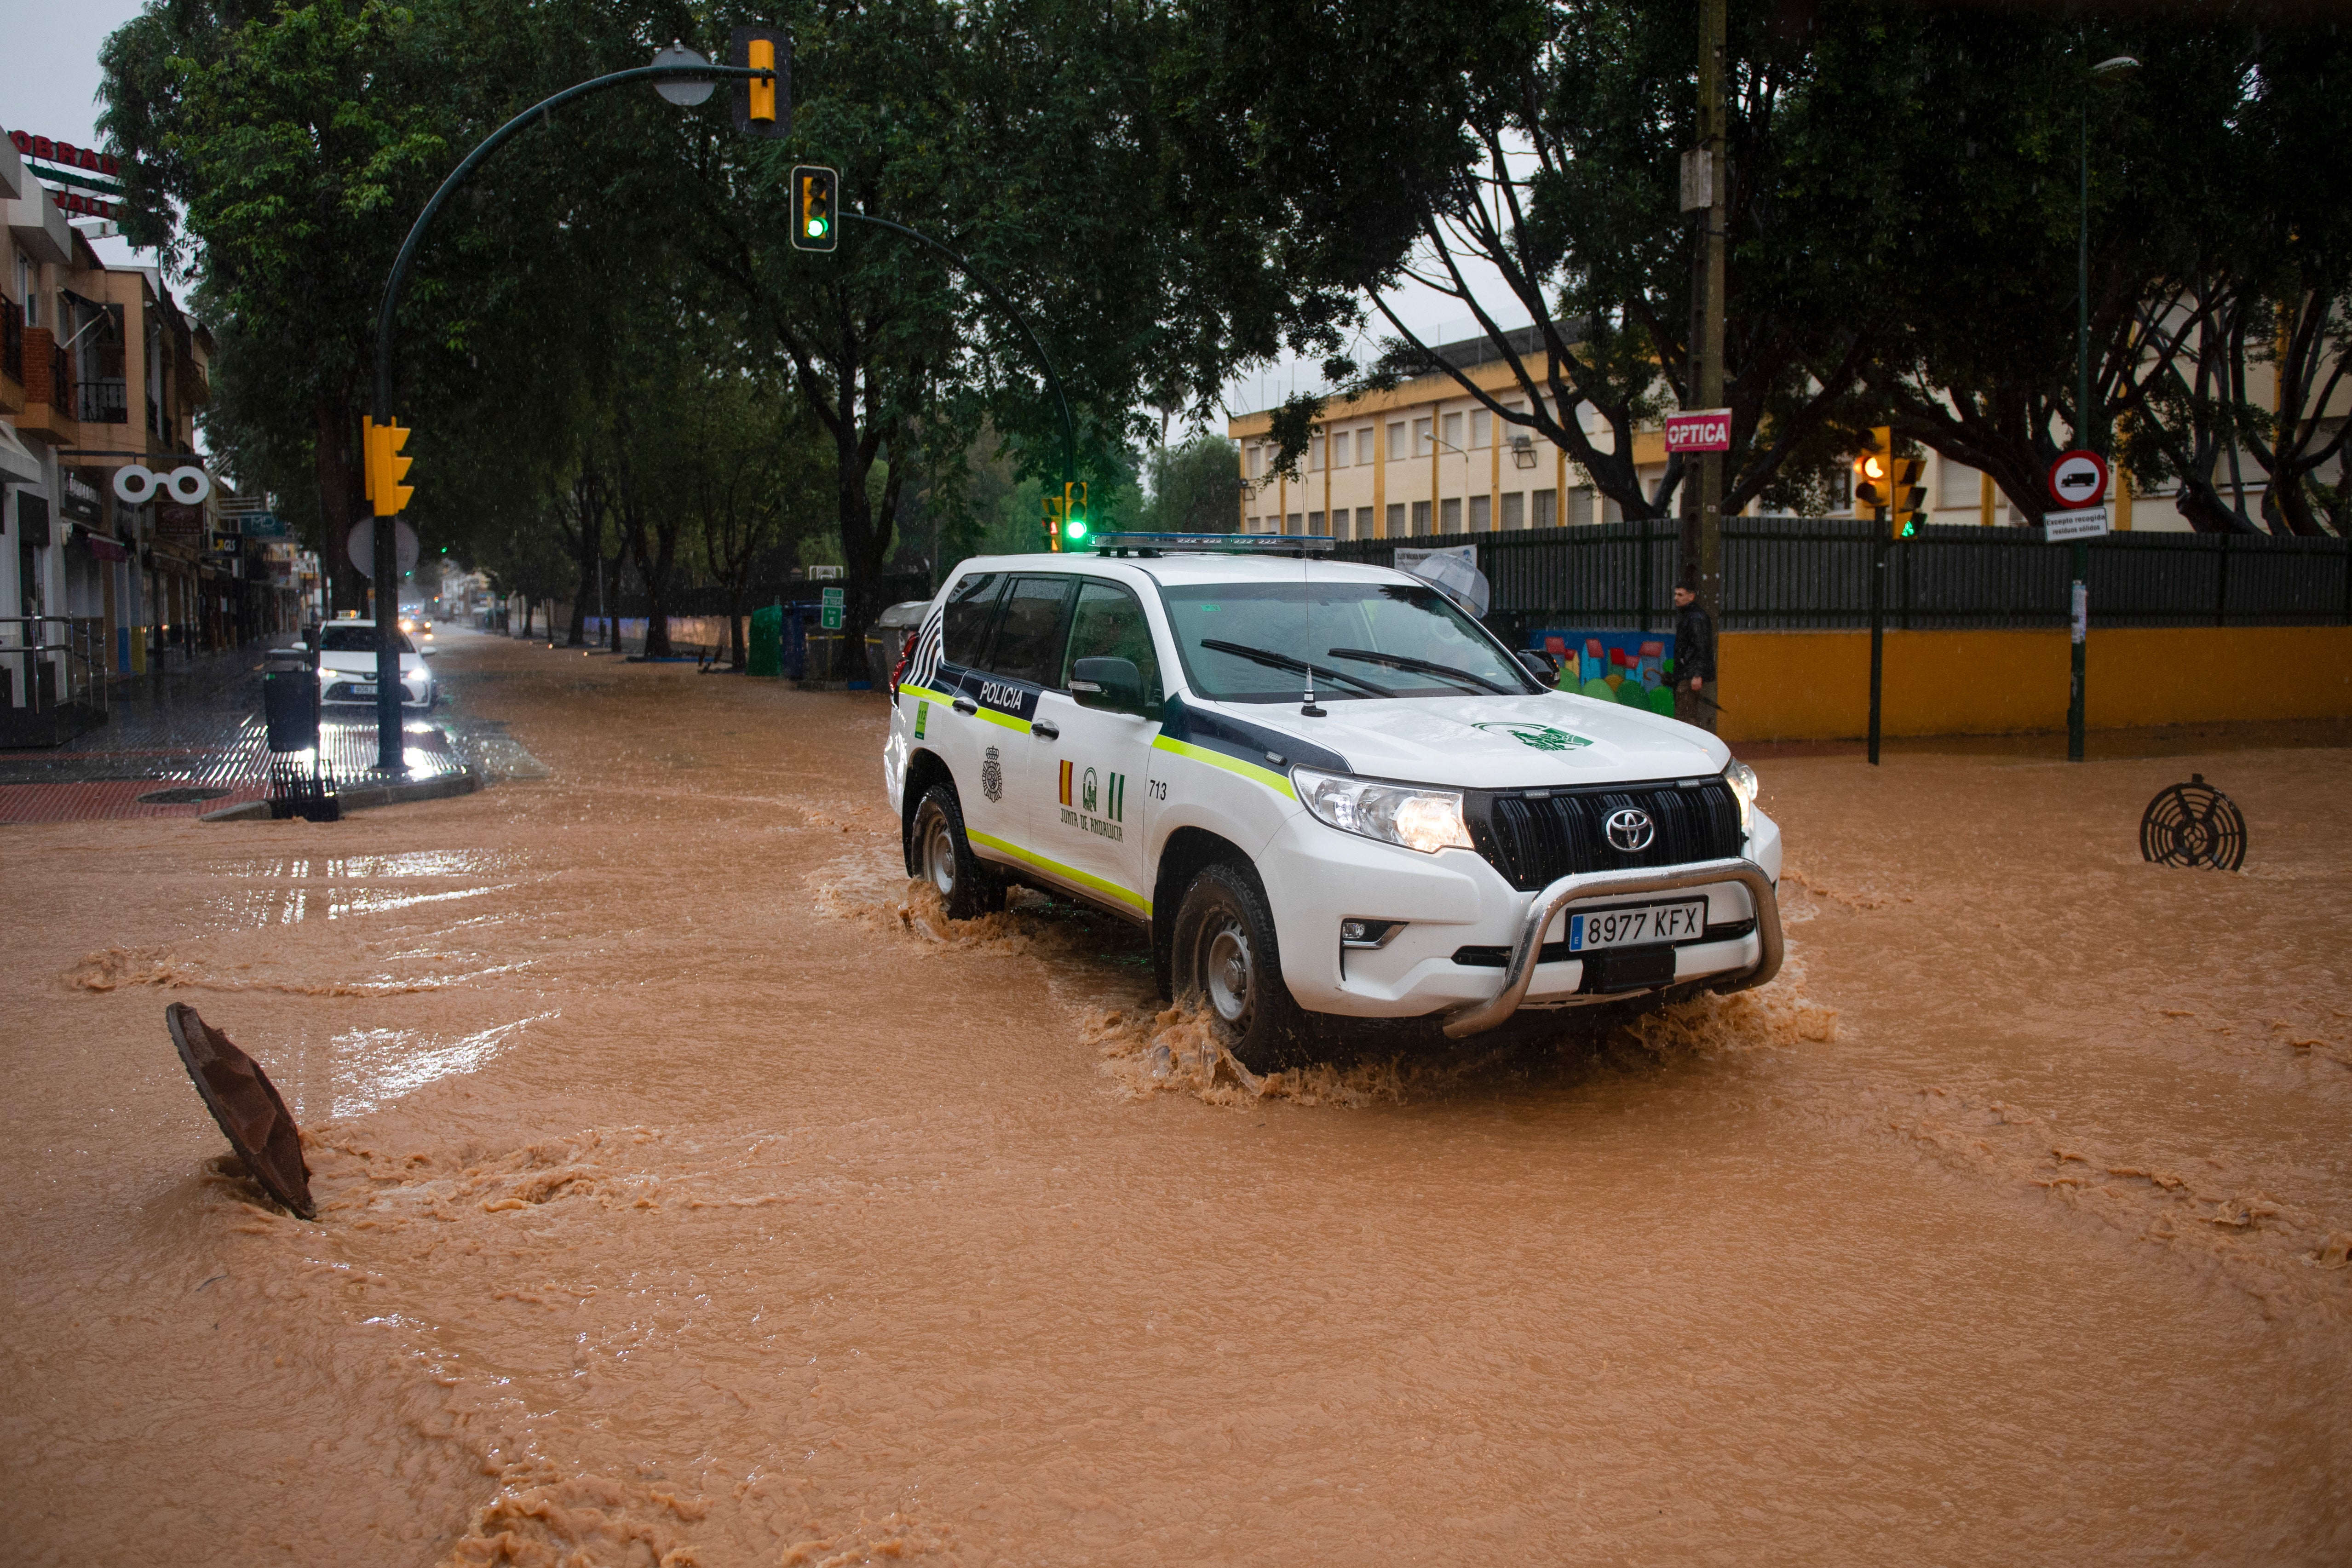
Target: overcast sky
49, 86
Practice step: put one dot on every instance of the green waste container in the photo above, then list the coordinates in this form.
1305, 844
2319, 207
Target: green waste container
767, 640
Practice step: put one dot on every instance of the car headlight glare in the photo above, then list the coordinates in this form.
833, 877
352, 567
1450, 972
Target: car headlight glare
1742, 779
1425, 819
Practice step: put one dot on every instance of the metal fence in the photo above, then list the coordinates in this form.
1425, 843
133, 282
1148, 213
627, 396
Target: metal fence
708, 600
1814, 574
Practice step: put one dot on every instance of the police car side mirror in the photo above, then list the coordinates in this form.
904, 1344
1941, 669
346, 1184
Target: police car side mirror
1539, 663
1115, 685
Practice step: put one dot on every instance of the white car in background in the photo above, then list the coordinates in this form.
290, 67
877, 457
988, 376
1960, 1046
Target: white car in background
347, 651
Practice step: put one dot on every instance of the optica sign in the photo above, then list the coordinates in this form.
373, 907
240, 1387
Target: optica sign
1699, 430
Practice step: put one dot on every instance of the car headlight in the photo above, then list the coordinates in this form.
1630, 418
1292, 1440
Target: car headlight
1742, 779
1425, 819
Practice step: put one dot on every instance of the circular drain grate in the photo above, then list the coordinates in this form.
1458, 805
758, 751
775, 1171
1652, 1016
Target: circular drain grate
184, 797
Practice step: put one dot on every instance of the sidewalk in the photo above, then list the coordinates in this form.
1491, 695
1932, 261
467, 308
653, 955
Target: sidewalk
191, 741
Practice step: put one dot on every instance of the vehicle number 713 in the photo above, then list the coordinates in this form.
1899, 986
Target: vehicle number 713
1157, 789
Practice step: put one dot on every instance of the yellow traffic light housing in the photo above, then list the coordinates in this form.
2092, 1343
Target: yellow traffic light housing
1908, 495
763, 105
815, 215
1874, 471
1075, 525
761, 110
1052, 521
380, 447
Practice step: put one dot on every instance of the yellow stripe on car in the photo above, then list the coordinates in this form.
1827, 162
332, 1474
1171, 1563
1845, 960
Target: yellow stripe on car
1249, 771
1067, 872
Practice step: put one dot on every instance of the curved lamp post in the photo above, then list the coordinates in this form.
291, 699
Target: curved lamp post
679, 75
2085, 435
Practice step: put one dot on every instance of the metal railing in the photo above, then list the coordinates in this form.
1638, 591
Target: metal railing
105, 401
1814, 573
54, 662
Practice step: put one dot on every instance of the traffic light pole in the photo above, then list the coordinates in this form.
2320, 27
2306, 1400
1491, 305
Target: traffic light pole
1053, 377
388, 753
1877, 627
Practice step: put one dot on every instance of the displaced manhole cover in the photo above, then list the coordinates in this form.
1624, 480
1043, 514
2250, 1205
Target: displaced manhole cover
246, 1105
189, 795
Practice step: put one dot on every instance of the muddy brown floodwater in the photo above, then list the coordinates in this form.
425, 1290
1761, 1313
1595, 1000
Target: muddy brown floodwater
687, 1194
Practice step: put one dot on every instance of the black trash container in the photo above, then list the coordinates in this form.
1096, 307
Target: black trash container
289, 699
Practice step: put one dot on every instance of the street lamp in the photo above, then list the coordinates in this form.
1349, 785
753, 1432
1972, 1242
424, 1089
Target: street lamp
2106, 70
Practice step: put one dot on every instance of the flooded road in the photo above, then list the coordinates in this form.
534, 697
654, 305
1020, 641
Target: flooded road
690, 1195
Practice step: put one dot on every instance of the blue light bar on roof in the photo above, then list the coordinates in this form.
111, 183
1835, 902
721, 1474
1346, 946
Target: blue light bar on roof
1211, 544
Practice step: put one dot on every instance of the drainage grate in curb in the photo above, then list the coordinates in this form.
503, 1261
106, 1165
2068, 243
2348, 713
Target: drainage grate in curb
190, 796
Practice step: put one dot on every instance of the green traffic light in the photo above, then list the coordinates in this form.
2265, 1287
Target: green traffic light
816, 228
1075, 529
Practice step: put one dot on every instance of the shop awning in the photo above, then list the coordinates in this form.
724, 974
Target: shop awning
102, 546
17, 463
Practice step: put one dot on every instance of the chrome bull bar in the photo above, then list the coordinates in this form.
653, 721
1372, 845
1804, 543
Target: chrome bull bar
1520, 969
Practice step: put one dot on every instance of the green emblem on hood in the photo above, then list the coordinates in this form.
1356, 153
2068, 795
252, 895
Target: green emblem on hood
1542, 737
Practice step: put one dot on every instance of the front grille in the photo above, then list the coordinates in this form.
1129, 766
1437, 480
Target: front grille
1535, 837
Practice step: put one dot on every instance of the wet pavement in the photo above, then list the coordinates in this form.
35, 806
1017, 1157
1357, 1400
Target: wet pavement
192, 740
690, 1192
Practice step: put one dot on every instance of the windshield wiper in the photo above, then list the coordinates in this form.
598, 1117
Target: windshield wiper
1284, 662
1423, 667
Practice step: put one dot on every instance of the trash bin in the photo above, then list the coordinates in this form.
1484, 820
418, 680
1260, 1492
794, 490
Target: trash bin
289, 699
766, 652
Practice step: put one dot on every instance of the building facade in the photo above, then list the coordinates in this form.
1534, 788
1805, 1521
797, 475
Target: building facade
1428, 458
101, 370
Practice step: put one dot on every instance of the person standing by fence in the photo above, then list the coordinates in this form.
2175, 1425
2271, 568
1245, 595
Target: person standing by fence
1694, 659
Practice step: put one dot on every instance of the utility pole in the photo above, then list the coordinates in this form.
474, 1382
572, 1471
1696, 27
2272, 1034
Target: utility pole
1704, 192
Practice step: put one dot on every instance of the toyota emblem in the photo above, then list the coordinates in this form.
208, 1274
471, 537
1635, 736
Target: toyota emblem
1631, 829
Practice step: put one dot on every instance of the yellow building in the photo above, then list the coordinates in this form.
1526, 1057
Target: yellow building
1428, 458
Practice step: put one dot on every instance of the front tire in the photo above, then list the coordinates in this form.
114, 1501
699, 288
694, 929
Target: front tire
1225, 955
942, 857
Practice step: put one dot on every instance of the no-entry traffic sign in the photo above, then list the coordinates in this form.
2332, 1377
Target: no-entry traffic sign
1699, 430
2079, 478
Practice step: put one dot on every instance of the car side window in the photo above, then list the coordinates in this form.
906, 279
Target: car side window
1110, 624
964, 623
1029, 634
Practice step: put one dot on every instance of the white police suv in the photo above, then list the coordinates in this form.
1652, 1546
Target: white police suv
1323, 788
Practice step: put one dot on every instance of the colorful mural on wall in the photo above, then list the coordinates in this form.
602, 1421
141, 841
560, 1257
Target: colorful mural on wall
1636, 668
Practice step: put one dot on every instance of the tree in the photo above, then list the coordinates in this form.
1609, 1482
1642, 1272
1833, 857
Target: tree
1195, 487
298, 143
1540, 144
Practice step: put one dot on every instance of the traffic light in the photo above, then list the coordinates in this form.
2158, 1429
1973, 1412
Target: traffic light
1907, 508
763, 105
1052, 521
1874, 471
385, 467
814, 221
1074, 514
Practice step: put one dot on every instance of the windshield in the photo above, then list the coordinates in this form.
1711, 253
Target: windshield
1251, 642
358, 640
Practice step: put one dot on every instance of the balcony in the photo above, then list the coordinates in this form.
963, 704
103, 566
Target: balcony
102, 402
49, 411
12, 355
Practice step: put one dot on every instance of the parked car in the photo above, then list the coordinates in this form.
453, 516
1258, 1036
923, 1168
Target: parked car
347, 665
1323, 789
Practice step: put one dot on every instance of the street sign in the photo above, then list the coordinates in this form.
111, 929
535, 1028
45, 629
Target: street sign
1699, 430
2079, 478
831, 607
363, 547
2081, 523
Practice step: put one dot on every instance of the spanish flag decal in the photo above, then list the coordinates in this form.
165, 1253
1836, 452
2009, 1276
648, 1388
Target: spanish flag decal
1065, 783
